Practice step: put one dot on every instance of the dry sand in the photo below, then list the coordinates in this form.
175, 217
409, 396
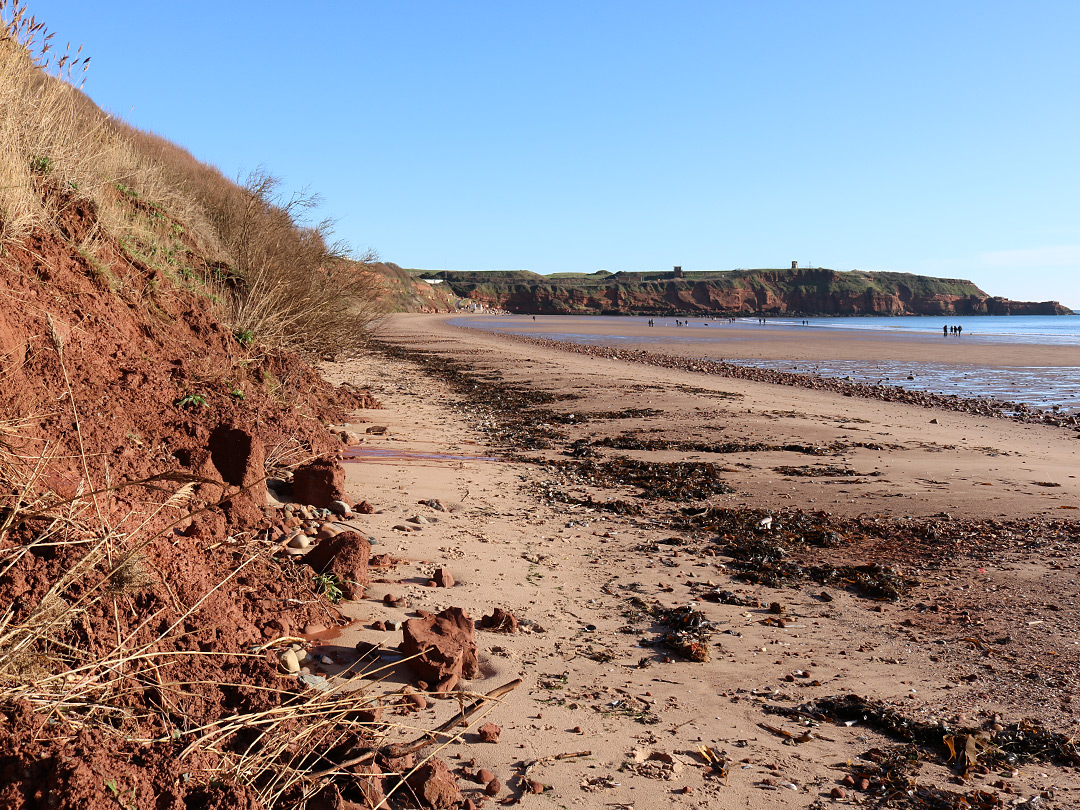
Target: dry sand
991, 628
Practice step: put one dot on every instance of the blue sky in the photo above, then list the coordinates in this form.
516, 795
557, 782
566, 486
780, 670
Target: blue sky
926, 137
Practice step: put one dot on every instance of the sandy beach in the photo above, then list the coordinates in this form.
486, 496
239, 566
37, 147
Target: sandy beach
693, 561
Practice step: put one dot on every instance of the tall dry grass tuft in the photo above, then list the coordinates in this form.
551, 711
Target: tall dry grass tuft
292, 287
130, 685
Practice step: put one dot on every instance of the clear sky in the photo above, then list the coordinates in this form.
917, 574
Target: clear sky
927, 137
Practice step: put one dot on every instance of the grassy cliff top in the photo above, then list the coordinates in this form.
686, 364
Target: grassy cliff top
849, 281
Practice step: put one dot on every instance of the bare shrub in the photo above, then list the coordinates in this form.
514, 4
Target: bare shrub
293, 288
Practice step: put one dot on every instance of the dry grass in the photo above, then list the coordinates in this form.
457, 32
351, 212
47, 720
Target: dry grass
293, 288
279, 280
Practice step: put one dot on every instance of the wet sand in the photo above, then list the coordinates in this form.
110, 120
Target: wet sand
747, 340
984, 631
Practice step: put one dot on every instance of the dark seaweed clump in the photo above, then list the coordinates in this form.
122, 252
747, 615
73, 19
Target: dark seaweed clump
890, 773
673, 480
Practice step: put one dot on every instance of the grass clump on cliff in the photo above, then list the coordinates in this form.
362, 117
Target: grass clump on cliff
271, 274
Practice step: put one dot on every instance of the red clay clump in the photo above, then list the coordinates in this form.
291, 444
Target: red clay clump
319, 483
344, 556
440, 649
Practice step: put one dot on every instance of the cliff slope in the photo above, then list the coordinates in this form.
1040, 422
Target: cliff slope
814, 291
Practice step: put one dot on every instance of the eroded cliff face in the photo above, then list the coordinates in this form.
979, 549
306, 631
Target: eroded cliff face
773, 292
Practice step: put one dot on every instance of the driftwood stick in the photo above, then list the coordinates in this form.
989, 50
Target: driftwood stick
364, 757
428, 737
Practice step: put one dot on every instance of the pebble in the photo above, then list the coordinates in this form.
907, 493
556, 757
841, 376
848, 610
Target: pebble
299, 540
838, 793
327, 530
443, 578
340, 508
484, 776
316, 682
289, 662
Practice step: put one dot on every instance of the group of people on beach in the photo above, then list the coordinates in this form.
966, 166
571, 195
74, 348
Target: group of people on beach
652, 322
955, 330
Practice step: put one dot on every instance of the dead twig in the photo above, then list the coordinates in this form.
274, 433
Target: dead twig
420, 743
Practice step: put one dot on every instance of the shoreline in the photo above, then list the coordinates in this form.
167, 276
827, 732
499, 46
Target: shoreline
795, 343
1003, 409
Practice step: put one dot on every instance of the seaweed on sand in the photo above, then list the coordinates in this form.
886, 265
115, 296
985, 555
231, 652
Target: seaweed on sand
890, 774
673, 480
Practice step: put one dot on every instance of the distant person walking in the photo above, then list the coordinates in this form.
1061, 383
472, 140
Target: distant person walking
945, 331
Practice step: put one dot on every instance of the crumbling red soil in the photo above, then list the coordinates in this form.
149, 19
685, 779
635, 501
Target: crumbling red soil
118, 398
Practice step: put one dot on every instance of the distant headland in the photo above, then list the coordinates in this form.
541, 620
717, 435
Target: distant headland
764, 292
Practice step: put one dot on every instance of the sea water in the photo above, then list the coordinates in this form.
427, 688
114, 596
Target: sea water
1037, 386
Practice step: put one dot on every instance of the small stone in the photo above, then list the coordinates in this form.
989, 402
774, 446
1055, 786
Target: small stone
378, 625
838, 793
534, 786
863, 784
401, 527
299, 541
434, 785
390, 599
326, 531
364, 508
290, 663
312, 628
416, 699
493, 787
489, 733
443, 578
848, 780
419, 519
484, 777
339, 508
